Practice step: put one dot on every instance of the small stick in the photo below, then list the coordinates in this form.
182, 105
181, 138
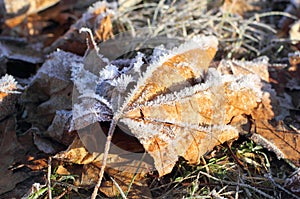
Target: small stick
112, 127
49, 178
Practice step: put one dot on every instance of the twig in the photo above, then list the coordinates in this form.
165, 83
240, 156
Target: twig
49, 178
269, 176
237, 188
62, 194
240, 184
113, 125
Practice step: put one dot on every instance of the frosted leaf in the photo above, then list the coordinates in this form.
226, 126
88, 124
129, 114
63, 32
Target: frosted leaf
166, 142
59, 58
177, 106
172, 115
166, 72
258, 66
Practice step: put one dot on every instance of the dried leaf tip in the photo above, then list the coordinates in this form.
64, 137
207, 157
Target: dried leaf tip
90, 38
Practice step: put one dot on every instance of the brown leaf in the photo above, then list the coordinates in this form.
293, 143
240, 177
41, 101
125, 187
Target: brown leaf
170, 128
239, 7
284, 143
257, 66
121, 167
24, 8
10, 149
90, 19
172, 118
274, 135
50, 90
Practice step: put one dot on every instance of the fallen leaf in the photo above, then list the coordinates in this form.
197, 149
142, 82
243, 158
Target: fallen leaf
121, 167
239, 7
169, 110
99, 23
50, 90
257, 66
172, 126
10, 150
22, 9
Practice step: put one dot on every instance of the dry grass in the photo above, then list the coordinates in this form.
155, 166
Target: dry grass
240, 37
252, 173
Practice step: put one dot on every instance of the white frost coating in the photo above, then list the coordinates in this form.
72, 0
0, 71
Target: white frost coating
196, 42
251, 81
108, 73
8, 84
145, 131
91, 94
138, 62
264, 60
100, 4
122, 82
148, 130
83, 79
214, 79
57, 63
158, 52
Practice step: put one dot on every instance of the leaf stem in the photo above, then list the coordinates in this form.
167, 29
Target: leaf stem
113, 125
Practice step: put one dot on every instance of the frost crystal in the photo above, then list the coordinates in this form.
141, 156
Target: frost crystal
8, 84
84, 80
122, 82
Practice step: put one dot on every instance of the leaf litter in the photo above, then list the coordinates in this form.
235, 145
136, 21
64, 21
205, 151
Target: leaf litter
202, 107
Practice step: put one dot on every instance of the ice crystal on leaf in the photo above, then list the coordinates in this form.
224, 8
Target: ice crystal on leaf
8, 84
122, 82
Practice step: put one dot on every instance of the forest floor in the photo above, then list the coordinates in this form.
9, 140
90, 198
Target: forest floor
43, 154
